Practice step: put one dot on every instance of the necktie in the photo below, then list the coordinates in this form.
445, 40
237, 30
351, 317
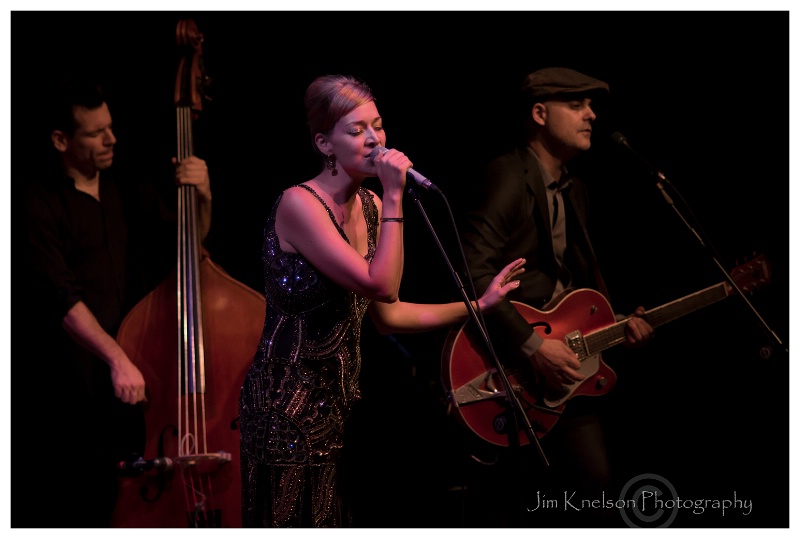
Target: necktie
554, 186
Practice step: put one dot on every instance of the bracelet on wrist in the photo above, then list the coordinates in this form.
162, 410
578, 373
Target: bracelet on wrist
392, 219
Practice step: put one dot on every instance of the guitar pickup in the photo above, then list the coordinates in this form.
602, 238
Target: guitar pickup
576, 343
480, 388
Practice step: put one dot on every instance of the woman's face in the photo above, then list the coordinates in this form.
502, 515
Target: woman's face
354, 137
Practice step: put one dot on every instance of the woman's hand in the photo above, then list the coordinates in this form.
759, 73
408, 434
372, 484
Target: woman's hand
392, 167
501, 285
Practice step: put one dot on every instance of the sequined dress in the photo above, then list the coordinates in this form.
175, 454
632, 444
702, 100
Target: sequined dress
301, 387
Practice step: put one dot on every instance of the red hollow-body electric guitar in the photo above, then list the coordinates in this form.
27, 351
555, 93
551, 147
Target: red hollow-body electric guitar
586, 322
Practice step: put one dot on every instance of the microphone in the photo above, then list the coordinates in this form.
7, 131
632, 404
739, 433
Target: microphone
620, 139
421, 180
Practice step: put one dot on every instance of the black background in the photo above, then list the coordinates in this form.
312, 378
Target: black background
703, 96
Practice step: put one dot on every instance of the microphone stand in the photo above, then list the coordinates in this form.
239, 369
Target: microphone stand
511, 396
661, 179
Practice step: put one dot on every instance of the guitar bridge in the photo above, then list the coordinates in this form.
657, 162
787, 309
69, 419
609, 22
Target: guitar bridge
576, 343
480, 388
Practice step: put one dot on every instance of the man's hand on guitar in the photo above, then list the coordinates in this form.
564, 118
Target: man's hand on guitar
556, 363
638, 331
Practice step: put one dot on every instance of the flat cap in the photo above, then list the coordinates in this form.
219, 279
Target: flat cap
553, 81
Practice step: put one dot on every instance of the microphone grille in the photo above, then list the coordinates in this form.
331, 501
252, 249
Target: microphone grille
618, 138
377, 150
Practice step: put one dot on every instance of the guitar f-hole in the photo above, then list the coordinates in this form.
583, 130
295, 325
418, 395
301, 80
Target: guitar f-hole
545, 325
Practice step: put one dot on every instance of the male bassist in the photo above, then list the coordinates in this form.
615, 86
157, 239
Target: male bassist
530, 206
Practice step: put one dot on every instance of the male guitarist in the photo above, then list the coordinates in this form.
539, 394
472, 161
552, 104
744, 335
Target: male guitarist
530, 206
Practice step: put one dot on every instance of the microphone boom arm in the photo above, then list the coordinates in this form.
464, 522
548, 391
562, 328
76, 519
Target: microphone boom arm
705, 243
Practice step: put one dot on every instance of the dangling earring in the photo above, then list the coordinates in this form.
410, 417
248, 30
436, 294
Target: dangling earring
330, 163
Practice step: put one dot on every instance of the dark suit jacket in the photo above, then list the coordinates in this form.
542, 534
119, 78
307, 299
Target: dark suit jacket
508, 220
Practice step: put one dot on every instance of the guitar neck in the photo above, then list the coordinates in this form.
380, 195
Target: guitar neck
600, 340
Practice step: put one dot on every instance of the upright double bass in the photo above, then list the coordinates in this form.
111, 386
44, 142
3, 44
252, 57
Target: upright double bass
193, 338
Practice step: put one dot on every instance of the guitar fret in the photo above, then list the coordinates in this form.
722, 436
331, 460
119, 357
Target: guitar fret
605, 338
673, 310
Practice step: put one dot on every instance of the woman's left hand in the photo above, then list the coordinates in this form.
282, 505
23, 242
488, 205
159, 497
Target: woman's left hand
501, 285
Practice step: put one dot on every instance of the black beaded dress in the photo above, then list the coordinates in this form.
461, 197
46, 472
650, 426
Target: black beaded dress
301, 387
